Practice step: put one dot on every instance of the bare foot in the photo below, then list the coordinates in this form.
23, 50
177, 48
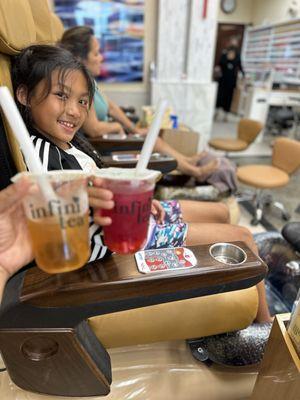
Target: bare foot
201, 173
197, 157
209, 168
262, 317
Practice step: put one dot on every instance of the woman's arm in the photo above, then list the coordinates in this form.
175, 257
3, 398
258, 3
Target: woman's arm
95, 128
183, 163
15, 244
118, 114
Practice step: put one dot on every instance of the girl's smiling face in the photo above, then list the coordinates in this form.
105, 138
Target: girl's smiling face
60, 114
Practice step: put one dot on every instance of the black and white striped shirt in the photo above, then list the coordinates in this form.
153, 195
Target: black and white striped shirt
54, 158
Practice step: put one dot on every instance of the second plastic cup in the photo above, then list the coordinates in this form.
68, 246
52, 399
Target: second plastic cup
131, 213
58, 226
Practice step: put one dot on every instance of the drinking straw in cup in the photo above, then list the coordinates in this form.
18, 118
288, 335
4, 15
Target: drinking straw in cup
57, 210
133, 193
151, 137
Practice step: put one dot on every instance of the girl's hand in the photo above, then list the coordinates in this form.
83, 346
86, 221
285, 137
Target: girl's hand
15, 244
158, 211
100, 199
139, 131
118, 128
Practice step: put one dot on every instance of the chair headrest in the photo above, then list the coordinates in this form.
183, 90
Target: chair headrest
286, 154
17, 28
57, 27
248, 129
42, 19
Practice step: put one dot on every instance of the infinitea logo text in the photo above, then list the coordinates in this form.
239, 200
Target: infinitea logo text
138, 208
64, 212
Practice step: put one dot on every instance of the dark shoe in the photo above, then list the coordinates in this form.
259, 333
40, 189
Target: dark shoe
291, 233
239, 348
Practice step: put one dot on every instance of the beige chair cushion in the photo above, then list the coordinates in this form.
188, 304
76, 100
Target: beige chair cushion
262, 176
201, 316
228, 144
42, 20
16, 26
17, 31
286, 154
248, 129
57, 27
184, 141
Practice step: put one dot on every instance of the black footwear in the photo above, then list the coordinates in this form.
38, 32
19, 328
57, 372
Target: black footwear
239, 348
291, 232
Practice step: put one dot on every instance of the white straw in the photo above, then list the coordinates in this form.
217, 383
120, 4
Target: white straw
20, 131
151, 137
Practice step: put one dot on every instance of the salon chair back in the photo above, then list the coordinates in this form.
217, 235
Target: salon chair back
36, 307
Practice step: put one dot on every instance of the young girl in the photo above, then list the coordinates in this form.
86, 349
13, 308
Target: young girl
54, 92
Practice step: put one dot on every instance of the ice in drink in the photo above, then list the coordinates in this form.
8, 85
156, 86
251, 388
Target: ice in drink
131, 213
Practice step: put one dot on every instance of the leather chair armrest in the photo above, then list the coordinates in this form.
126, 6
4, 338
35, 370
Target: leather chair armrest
107, 146
43, 327
158, 162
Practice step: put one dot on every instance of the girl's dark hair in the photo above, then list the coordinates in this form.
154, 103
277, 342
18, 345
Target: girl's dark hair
83, 144
78, 41
38, 62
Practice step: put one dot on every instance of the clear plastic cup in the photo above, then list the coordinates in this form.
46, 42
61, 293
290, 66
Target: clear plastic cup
58, 227
131, 213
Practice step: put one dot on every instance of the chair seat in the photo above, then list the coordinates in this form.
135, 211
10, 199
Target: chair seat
262, 176
182, 319
228, 144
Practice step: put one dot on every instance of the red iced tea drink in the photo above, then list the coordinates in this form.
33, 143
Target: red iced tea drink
131, 213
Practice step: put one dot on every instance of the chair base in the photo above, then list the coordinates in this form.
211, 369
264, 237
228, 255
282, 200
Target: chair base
160, 371
260, 201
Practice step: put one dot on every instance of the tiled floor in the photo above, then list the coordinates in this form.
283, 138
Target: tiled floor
260, 152
245, 221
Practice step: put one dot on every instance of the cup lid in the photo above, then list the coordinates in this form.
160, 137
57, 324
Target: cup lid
128, 174
66, 174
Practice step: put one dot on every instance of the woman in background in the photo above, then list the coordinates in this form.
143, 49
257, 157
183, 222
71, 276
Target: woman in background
229, 66
82, 43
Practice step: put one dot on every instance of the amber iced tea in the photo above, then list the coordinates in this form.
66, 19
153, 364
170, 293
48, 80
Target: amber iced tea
51, 253
58, 225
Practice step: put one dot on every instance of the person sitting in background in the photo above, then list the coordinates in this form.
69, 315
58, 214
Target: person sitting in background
205, 167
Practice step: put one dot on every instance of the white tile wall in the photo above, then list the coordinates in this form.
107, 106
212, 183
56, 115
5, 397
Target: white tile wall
184, 62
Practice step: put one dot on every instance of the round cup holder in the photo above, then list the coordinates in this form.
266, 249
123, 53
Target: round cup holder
227, 253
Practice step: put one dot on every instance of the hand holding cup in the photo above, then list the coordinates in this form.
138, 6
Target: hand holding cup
100, 199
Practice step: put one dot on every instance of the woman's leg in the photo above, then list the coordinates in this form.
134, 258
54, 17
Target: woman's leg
204, 211
206, 233
183, 163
